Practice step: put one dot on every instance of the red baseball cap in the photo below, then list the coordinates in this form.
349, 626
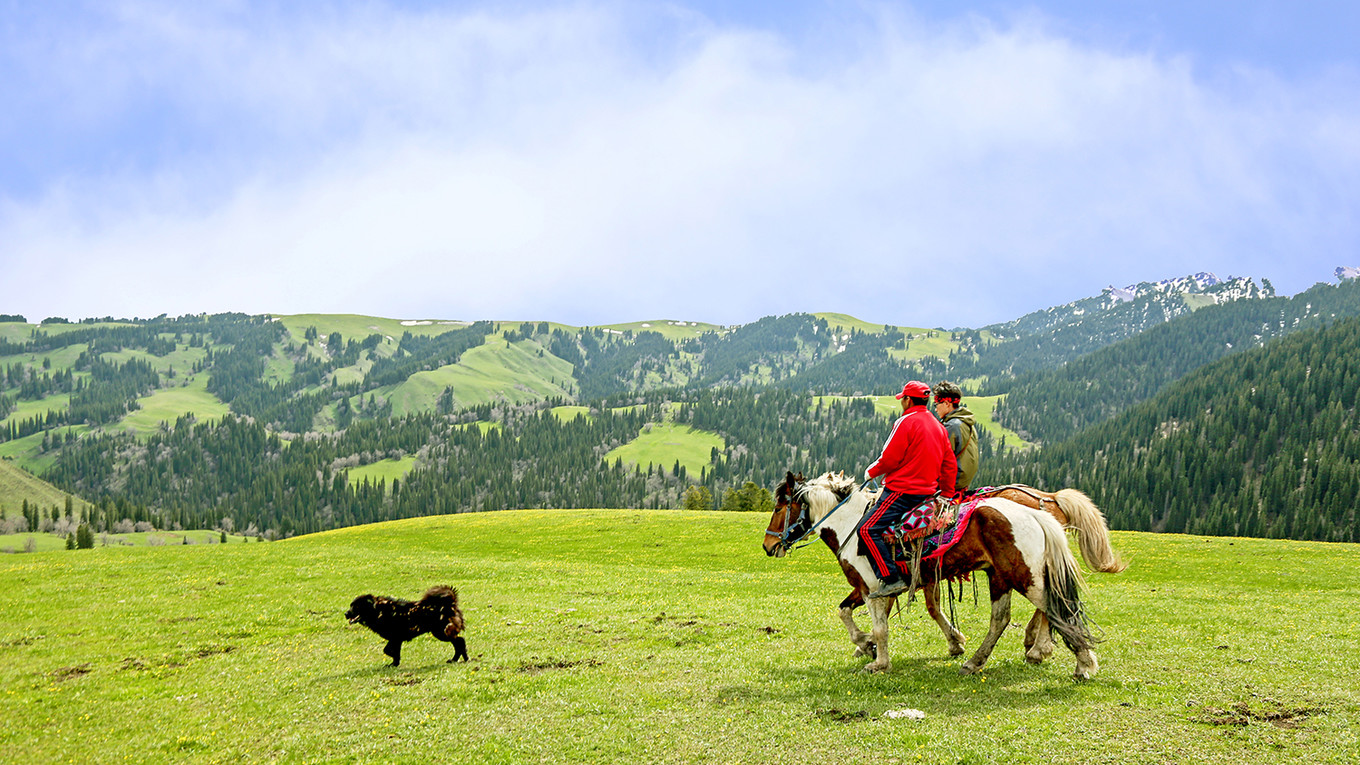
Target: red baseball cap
915, 389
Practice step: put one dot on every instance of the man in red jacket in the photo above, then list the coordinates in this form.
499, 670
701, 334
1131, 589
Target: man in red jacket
917, 462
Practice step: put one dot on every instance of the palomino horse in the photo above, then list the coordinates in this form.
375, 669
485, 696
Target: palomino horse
1020, 548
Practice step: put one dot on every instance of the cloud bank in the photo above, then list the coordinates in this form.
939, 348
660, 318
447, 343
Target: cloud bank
600, 163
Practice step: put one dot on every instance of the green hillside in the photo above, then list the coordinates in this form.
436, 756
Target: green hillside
630, 636
1261, 443
666, 443
498, 371
17, 485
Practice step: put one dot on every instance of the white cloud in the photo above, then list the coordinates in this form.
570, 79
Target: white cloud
589, 165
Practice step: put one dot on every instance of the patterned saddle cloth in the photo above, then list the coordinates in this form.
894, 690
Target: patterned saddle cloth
937, 545
929, 517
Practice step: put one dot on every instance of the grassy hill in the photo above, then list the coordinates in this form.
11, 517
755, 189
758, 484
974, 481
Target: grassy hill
17, 485
665, 443
662, 636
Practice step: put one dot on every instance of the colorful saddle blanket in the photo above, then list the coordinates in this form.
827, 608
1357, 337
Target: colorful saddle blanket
937, 545
925, 519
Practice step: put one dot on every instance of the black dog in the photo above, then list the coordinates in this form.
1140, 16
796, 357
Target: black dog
397, 621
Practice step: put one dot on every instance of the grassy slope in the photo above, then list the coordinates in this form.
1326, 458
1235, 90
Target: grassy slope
169, 404
671, 329
386, 470
17, 485
354, 327
665, 637
484, 374
664, 443
569, 412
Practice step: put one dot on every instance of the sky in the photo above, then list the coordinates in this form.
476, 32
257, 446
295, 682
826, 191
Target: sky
916, 164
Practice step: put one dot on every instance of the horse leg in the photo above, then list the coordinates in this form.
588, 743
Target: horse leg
879, 609
864, 644
1087, 664
952, 636
1038, 638
1001, 619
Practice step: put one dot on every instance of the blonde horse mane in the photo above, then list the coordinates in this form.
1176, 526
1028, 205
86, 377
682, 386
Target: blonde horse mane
825, 491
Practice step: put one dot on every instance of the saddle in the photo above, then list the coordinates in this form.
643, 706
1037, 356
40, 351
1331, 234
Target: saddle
928, 518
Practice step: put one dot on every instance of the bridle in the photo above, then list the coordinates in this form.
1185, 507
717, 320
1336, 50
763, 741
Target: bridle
794, 532
787, 538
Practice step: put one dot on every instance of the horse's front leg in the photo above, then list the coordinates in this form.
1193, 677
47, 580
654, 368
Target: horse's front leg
952, 636
864, 644
1001, 619
879, 608
1038, 638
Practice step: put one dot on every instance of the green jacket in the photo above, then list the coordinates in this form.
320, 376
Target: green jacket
962, 432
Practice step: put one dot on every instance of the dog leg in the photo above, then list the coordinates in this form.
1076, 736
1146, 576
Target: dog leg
393, 649
459, 650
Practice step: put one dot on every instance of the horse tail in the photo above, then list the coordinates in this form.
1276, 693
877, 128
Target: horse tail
1092, 534
1063, 584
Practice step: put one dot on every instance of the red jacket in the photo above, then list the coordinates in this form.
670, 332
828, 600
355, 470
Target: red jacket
917, 458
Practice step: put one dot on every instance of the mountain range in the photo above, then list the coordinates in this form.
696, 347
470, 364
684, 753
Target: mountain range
292, 424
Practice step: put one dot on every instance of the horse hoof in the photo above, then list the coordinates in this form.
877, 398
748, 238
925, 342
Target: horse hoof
955, 650
968, 669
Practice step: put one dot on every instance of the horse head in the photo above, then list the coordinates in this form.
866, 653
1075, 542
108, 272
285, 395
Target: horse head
790, 519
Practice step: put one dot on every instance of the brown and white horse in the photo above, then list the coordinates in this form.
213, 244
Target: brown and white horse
1021, 549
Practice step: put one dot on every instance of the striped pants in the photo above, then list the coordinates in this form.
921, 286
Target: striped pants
891, 508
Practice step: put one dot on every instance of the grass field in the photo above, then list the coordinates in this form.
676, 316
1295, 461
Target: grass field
489, 372
385, 470
664, 637
169, 404
569, 412
664, 443
671, 329
17, 485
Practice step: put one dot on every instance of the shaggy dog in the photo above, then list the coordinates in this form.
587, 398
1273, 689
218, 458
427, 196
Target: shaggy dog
397, 621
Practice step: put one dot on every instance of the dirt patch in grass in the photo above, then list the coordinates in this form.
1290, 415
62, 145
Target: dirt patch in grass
533, 668
67, 673
403, 680
840, 715
1241, 714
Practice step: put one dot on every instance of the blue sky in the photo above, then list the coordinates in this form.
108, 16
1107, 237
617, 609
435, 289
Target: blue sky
920, 164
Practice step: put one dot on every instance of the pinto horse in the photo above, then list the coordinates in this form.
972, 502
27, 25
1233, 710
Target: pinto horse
1021, 549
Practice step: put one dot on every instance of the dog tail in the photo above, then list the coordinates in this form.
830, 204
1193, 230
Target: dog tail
443, 600
441, 592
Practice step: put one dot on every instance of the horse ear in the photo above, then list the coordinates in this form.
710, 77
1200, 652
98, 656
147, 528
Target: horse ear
788, 478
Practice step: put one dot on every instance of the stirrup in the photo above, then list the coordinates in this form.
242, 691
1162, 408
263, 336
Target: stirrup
890, 590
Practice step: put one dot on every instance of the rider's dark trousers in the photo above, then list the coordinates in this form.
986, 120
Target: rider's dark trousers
888, 511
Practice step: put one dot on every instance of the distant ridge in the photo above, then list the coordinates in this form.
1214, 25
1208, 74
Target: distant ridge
1169, 298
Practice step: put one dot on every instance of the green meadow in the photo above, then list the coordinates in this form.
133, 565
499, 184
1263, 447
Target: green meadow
516, 372
655, 636
665, 443
383, 470
17, 485
167, 405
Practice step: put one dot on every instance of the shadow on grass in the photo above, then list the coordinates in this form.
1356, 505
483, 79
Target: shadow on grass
932, 684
